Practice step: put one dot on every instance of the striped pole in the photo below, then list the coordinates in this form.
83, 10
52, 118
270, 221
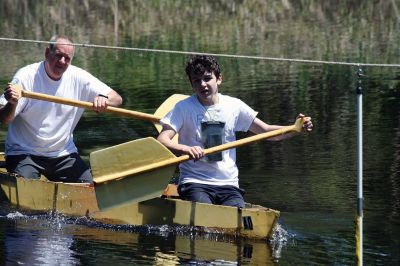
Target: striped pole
359, 229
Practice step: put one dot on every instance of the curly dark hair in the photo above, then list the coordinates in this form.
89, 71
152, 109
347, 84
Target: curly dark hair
198, 64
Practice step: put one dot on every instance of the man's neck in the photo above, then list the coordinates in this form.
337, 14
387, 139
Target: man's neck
48, 72
209, 102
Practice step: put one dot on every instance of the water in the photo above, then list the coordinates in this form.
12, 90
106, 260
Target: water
34, 239
310, 179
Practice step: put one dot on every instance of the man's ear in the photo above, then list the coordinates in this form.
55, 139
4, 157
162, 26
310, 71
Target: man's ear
219, 80
47, 52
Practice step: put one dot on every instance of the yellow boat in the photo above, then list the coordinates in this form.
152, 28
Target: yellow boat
129, 180
79, 200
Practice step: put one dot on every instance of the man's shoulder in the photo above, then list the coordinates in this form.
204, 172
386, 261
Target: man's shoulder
229, 99
233, 103
189, 101
27, 73
77, 73
72, 69
31, 68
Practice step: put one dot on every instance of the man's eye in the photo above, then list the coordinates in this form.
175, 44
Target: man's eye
60, 56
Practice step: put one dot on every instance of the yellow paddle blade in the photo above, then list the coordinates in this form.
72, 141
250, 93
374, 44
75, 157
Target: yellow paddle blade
118, 161
167, 106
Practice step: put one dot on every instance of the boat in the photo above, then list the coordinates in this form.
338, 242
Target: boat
79, 200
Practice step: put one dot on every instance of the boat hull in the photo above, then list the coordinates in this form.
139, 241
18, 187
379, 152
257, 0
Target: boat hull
79, 200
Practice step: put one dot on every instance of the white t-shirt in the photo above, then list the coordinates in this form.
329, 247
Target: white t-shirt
186, 118
44, 128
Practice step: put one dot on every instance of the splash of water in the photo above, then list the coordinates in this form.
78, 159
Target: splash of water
15, 215
279, 239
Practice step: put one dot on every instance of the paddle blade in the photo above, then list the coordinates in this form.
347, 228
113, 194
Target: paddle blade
116, 161
140, 187
167, 106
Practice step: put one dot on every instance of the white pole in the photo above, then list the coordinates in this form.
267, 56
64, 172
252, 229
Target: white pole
359, 229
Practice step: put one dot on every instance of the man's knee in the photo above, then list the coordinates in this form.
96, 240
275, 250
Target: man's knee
236, 202
86, 177
28, 172
23, 166
231, 196
194, 192
73, 170
201, 197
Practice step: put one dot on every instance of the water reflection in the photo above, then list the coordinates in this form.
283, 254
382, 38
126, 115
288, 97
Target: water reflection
50, 239
36, 243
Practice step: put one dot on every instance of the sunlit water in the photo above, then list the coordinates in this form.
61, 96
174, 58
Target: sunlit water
310, 179
53, 239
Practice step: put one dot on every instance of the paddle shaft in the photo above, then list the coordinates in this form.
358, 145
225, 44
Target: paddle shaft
168, 162
88, 105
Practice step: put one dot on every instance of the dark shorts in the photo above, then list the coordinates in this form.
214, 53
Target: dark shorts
220, 195
70, 168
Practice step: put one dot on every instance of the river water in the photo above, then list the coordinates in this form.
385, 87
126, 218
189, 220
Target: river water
311, 179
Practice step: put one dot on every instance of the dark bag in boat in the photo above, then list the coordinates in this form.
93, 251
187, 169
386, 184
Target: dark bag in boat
212, 133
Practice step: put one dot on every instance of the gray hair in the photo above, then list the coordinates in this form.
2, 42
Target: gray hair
55, 38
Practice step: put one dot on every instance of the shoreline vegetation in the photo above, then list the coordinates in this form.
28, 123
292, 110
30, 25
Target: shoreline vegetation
253, 27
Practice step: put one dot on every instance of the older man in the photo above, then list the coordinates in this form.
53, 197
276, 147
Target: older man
40, 133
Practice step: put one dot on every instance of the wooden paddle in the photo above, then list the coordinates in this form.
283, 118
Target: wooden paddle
166, 106
139, 170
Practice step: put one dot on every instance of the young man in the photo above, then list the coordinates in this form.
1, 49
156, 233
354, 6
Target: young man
40, 133
206, 119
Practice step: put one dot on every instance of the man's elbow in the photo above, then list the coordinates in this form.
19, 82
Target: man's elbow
116, 100
160, 139
119, 101
5, 120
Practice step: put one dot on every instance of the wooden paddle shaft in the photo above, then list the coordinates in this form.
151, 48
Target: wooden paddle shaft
88, 105
244, 141
168, 162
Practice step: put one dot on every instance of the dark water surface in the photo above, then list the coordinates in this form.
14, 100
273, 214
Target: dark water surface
310, 179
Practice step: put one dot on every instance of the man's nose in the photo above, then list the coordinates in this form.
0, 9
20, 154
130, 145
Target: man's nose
63, 60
